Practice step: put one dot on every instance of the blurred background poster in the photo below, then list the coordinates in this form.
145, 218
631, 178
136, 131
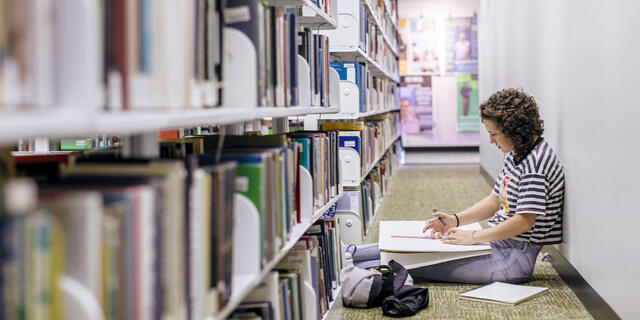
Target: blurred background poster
462, 45
419, 46
468, 113
416, 105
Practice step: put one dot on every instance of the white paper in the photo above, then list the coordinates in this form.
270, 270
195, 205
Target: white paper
503, 292
410, 239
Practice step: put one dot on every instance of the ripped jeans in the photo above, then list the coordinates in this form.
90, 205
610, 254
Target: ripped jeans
510, 261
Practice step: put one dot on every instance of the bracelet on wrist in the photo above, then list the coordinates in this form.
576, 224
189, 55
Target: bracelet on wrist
473, 238
457, 220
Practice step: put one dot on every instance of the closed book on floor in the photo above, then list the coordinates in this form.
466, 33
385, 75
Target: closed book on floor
502, 293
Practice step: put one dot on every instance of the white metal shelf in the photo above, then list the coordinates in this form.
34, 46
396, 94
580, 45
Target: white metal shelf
357, 54
320, 19
74, 123
336, 293
353, 116
376, 112
50, 123
317, 110
250, 283
377, 22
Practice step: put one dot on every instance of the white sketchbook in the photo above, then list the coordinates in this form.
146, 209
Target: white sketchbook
404, 242
502, 293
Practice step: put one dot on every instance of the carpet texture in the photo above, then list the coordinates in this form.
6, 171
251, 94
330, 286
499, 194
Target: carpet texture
415, 191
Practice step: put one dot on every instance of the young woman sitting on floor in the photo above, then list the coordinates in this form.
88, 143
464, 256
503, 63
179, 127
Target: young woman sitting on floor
525, 205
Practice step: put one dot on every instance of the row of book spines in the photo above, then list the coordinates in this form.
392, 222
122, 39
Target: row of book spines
316, 259
259, 158
32, 250
134, 43
365, 198
379, 10
370, 139
374, 93
132, 54
372, 36
136, 230
276, 37
314, 48
335, 167
374, 187
276, 51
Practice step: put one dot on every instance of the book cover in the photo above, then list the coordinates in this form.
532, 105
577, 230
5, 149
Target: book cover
267, 290
251, 177
296, 302
502, 293
221, 237
293, 60
343, 125
261, 310
350, 139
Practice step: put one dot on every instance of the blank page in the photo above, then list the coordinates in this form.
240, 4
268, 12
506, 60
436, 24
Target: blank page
503, 292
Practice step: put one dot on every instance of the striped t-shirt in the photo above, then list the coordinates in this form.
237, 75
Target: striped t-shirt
535, 185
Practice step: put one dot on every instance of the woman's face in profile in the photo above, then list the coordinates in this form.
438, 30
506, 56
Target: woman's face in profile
496, 136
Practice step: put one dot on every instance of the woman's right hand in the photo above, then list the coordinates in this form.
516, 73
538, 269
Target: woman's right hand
437, 226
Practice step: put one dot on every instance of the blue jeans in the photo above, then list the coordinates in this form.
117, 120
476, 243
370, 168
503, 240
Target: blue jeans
510, 261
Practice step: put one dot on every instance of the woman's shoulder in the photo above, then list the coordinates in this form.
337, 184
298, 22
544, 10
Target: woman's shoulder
542, 158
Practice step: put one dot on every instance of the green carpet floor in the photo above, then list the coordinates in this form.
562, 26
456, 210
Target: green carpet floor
414, 192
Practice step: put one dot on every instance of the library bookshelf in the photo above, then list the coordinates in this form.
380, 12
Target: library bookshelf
78, 94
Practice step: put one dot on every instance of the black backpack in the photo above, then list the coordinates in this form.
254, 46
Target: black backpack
387, 288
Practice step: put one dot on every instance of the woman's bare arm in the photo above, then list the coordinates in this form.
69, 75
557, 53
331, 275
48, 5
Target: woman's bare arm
483, 209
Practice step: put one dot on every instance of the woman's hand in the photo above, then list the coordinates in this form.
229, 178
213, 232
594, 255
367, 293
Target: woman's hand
436, 224
457, 236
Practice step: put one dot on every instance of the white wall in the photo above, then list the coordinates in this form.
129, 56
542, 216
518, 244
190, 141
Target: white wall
445, 103
580, 60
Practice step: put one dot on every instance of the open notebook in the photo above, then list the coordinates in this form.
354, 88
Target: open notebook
404, 242
502, 293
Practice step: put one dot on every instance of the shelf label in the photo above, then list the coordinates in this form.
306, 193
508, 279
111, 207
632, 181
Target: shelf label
242, 184
237, 14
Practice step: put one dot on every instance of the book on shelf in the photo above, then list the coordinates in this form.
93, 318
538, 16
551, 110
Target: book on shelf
142, 38
352, 140
75, 144
253, 310
273, 31
31, 239
292, 54
267, 290
503, 293
211, 218
360, 202
320, 153
354, 72
315, 259
314, 48
292, 298
168, 187
248, 17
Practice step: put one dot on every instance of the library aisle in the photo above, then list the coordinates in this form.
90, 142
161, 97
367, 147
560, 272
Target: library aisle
414, 191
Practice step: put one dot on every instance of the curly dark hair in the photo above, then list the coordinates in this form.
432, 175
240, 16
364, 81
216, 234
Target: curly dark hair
516, 115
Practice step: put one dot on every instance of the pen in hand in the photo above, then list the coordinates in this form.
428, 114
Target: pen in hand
440, 218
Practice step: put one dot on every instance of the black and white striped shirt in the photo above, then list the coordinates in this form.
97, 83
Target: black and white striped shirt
535, 185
